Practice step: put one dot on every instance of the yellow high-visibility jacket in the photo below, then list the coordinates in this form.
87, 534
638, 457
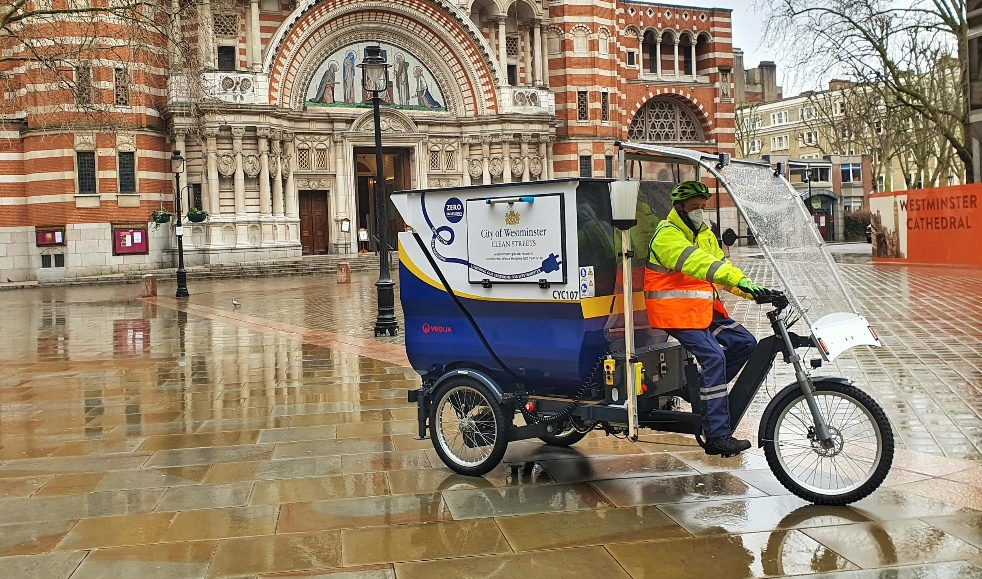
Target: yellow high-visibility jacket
683, 272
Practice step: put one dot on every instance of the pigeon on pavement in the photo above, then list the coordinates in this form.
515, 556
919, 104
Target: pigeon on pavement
235, 304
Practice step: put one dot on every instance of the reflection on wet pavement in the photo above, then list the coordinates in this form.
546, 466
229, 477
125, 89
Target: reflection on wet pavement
140, 440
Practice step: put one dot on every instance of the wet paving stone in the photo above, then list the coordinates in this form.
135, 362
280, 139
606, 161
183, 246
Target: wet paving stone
140, 440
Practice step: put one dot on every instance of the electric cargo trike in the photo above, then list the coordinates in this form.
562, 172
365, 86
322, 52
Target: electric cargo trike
524, 316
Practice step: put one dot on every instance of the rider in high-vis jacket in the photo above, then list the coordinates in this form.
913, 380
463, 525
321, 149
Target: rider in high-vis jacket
685, 268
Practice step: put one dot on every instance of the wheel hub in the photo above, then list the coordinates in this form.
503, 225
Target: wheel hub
832, 448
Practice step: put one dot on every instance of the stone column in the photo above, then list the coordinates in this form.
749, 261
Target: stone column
527, 41
676, 58
206, 43
238, 183
257, 44
692, 52
292, 205
548, 167
205, 189
543, 55
465, 157
543, 174
265, 200
658, 57
506, 158
239, 179
502, 50
526, 176
539, 56
276, 174
176, 35
211, 136
486, 160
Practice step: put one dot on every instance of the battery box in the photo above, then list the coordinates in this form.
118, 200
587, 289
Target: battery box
663, 371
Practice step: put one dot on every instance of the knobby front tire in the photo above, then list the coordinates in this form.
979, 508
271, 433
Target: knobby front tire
858, 460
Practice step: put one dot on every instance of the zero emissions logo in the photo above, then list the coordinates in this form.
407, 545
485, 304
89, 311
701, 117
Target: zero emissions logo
454, 210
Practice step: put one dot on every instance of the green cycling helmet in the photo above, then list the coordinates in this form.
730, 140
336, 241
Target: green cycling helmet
689, 189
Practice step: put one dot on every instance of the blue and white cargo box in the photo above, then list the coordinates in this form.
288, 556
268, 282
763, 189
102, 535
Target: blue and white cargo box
530, 268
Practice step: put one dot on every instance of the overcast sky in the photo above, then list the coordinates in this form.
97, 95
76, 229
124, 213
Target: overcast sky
748, 25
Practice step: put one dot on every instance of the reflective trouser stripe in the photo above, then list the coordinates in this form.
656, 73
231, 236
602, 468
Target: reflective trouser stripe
726, 327
679, 294
713, 396
684, 256
659, 269
711, 273
711, 389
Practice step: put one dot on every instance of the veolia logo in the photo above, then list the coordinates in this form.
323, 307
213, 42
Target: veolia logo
427, 328
454, 210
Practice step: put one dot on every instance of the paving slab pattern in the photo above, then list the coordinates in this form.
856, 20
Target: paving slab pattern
155, 440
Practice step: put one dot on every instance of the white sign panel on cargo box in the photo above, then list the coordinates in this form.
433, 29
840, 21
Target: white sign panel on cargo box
521, 241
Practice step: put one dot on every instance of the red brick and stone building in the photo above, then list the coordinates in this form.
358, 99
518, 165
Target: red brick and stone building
279, 148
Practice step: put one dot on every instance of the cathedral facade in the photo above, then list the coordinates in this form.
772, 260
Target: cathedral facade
278, 135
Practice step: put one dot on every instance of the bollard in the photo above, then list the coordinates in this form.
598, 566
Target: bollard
149, 285
344, 272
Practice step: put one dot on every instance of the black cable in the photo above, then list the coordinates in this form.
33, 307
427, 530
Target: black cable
529, 417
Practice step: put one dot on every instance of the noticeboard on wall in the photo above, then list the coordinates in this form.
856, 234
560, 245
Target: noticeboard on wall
522, 241
47, 236
130, 239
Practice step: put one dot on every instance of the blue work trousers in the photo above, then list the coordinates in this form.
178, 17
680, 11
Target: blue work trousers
721, 350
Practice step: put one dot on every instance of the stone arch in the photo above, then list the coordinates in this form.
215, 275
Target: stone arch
668, 118
580, 34
632, 31
536, 10
668, 35
554, 40
391, 119
474, 60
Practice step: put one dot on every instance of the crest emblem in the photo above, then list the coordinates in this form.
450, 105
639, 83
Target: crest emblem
512, 218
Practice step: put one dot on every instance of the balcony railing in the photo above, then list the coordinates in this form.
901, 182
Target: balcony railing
527, 100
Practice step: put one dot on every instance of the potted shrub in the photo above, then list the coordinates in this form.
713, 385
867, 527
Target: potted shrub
196, 215
160, 216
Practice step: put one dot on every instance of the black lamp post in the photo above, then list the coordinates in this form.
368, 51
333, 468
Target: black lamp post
808, 179
177, 166
375, 79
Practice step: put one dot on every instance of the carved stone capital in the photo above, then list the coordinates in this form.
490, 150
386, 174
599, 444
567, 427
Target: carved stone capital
526, 138
263, 132
238, 132
210, 132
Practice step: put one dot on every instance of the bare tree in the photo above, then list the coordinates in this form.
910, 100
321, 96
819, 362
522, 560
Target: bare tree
888, 45
748, 125
80, 63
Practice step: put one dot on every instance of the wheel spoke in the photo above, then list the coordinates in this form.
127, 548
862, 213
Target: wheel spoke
855, 448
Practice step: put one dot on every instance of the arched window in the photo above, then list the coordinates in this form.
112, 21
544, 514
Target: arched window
664, 120
604, 43
581, 41
650, 51
554, 44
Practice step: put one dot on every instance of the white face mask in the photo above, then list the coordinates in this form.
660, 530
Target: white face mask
697, 218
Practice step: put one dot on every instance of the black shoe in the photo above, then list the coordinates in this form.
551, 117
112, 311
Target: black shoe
726, 446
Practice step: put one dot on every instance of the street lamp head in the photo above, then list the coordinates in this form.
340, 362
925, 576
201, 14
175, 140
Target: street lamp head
374, 70
176, 163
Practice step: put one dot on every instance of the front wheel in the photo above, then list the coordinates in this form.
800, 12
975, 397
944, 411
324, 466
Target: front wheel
860, 454
468, 427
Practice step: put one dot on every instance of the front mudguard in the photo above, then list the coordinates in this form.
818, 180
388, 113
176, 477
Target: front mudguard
790, 390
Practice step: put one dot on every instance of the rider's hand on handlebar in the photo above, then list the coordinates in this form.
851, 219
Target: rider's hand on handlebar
770, 296
757, 292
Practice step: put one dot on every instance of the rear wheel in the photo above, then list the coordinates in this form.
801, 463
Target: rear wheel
468, 428
860, 454
568, 437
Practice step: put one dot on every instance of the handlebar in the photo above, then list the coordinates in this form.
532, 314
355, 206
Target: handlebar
774, 297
